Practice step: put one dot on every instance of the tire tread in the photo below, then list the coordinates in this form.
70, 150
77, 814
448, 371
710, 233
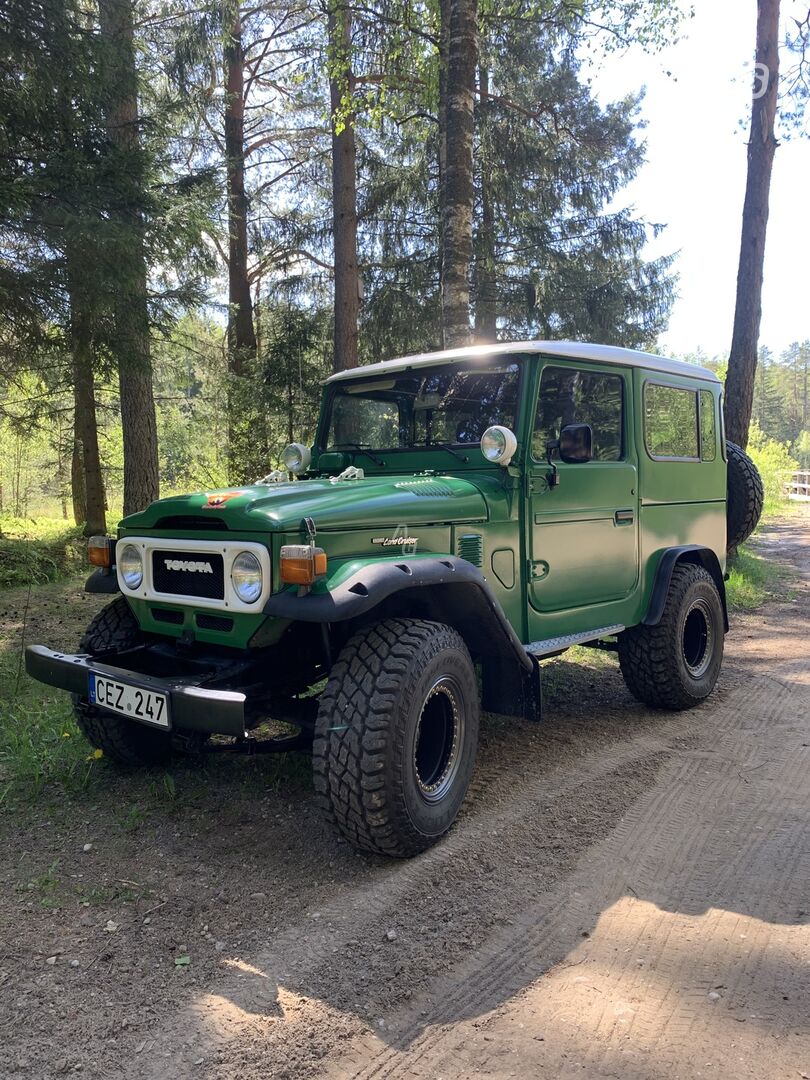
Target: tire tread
745, 496
648, 661
366, 684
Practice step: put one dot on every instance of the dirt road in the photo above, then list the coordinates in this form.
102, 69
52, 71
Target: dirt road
626, 895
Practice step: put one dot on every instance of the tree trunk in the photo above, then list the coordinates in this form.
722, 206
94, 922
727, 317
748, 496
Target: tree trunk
485, 282
87, 480
241, 334
78, 494
242, 347
132, 344
444, 50
742, 364
61, 464
457, 209
344, 189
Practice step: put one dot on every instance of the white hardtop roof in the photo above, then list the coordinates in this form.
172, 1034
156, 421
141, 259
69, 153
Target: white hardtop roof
569, 350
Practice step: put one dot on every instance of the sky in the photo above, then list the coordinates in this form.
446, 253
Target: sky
694, 179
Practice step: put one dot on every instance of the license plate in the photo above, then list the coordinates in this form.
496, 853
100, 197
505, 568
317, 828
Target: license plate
147, 706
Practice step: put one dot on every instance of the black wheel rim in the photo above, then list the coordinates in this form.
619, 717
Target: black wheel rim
698, 639
438, 740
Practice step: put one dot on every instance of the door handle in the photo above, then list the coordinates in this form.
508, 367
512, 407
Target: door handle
624, 517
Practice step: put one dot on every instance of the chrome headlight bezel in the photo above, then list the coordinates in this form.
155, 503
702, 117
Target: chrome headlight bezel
247, 577
296, 458
499, 444
130, 567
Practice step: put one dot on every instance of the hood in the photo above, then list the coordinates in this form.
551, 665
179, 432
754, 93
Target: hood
332, 504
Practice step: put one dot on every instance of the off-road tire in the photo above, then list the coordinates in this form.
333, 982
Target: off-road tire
374, 719
124, 741
655, 660
744, 496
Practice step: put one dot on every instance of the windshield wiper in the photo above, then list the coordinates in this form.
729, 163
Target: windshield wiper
450, 450
363, 450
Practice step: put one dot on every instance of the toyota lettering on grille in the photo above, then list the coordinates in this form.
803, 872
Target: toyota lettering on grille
190, 567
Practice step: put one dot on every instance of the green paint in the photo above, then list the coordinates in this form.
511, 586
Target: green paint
560, 559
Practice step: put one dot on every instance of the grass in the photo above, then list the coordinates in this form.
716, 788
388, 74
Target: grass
38, 550
754, 580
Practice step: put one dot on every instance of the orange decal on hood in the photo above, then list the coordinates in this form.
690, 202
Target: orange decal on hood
219, 499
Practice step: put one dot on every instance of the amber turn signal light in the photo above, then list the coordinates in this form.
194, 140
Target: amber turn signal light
301, 564
99, 551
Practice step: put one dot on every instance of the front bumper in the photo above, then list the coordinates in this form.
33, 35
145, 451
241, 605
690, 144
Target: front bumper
191, 707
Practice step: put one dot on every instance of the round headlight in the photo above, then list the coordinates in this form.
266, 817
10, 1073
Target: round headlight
246, 575
296, 457
498, 444
130, 565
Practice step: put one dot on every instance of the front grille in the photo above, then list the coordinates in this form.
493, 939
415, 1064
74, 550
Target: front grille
189, 573
214, 622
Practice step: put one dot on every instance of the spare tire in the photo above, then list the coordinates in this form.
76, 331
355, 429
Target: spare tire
744, 496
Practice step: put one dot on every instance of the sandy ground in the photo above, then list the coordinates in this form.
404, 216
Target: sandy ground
627, 894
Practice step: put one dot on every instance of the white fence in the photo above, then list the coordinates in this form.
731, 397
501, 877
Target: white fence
797, 486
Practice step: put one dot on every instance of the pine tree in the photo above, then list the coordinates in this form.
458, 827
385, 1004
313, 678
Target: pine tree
344, 186
761, 150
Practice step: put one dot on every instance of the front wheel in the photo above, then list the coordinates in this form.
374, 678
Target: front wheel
675, 664
396, 736
124, 741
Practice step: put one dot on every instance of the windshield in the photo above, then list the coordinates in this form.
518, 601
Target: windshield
450, 405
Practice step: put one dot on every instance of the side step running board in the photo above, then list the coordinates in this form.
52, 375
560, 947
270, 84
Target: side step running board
558, 644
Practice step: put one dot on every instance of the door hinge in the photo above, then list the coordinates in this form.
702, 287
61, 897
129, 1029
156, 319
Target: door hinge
538, 569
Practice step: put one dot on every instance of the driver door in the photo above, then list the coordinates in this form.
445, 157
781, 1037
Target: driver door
583, 532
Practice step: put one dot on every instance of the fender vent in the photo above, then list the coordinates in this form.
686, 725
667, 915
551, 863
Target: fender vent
189, 523
470, 547
425, 487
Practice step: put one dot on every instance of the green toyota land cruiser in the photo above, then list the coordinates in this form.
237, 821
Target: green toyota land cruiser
461, 516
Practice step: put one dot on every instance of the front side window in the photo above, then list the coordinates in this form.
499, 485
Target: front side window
450, 405
574, 396
670, 422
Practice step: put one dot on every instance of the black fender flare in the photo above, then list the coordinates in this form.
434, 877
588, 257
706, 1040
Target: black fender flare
686, 553
446, 589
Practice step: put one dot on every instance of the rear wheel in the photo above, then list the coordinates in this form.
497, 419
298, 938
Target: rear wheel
396, 736
675, 664
112, 631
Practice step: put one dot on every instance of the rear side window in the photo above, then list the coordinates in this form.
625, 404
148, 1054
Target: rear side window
572, 396
708, 428
670, 422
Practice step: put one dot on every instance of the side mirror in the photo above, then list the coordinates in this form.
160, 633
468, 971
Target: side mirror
576, 444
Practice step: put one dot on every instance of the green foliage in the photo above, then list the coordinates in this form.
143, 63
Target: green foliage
781, 407
775, 463
802, 449
35, 551
190, 392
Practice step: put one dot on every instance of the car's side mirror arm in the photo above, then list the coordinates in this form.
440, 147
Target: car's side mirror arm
554, 476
